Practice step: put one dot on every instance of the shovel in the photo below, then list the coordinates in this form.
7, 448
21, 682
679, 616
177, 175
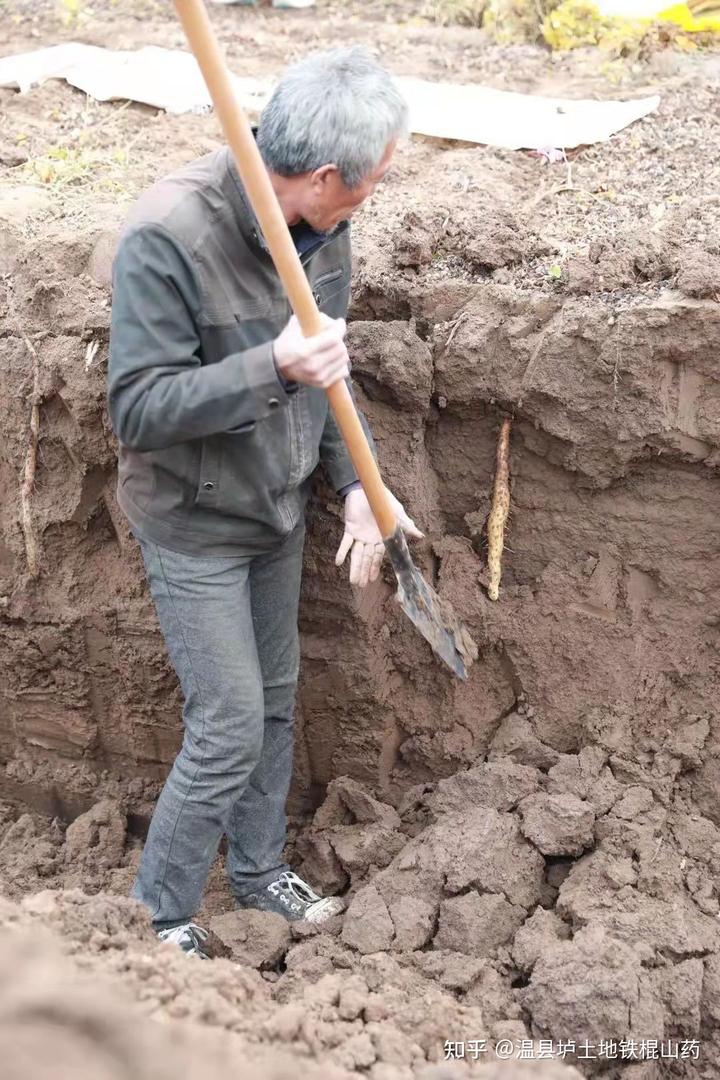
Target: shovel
432, 617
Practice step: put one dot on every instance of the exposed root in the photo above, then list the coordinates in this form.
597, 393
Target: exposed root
32, 550
499, 510
453, 330
31, 544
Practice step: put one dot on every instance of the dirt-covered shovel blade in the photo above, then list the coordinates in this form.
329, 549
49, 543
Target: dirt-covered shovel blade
433, 618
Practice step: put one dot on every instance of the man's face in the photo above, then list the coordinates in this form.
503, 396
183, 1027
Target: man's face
329, 201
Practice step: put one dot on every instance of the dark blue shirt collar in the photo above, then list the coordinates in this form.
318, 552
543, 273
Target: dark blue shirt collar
305, 238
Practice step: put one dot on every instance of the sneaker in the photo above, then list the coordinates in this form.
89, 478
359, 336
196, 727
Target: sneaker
292, 897
189, 936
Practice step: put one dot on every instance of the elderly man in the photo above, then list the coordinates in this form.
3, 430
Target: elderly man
219, 407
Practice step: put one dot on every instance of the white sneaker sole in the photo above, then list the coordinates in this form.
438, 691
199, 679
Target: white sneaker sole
324, 909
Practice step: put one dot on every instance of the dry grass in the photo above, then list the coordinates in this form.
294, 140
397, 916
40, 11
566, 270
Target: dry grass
457, 12
89, 146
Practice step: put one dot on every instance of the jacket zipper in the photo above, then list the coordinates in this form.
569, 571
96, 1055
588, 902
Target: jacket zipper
295, 436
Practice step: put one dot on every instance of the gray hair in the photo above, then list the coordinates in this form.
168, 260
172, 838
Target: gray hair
338, 107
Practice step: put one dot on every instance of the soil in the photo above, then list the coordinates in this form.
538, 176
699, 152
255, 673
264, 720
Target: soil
534, 854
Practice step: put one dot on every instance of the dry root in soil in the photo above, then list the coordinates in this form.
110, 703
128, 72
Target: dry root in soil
499, 511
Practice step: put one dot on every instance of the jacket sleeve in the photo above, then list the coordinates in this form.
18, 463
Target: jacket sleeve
158, 392
334, 455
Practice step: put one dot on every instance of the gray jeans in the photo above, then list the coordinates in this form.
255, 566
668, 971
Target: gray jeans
230, 626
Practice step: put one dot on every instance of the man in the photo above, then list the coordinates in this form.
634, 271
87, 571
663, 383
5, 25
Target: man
218, 403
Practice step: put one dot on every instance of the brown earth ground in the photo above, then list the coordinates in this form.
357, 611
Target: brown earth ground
534, 854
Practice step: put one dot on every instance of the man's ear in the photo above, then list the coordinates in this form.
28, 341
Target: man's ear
323, 176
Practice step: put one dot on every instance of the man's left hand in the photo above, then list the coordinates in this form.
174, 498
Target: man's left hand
363, 537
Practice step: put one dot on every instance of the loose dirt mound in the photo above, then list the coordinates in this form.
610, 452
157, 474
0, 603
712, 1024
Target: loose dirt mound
533, 854
353, 1009
60, 1018
471, 917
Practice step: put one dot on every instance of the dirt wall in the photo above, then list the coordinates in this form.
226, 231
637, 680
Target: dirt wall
608, 612
579, 298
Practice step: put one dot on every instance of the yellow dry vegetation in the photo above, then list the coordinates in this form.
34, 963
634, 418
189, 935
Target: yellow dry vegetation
696, 17
573, 24
72, 12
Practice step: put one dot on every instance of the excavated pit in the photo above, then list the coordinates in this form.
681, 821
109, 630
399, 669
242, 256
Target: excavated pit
533, 854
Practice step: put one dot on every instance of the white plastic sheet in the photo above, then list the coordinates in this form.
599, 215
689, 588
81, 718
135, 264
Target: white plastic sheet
501, 118
171, 80
165, 78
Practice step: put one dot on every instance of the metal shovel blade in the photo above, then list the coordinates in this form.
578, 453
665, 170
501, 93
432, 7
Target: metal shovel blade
436, 622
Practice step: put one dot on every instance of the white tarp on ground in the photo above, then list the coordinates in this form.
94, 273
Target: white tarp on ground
165, 78
171, 80
500, 118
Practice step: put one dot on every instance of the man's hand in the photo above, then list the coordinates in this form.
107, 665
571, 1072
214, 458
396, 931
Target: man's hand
363, 536
316, 361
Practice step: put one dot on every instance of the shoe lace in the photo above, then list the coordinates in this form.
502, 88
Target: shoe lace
298, 888
178, 935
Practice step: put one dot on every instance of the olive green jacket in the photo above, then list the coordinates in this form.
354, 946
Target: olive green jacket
216, 449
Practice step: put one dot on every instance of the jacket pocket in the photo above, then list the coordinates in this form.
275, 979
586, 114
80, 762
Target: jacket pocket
331, 292
241, 474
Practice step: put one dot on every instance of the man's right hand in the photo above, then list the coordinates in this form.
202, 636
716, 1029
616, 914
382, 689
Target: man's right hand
316, 361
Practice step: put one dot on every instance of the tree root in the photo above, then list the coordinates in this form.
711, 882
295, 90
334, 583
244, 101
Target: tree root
499, 510
32, 549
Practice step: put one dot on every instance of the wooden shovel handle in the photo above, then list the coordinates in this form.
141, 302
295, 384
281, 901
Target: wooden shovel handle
236, 127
